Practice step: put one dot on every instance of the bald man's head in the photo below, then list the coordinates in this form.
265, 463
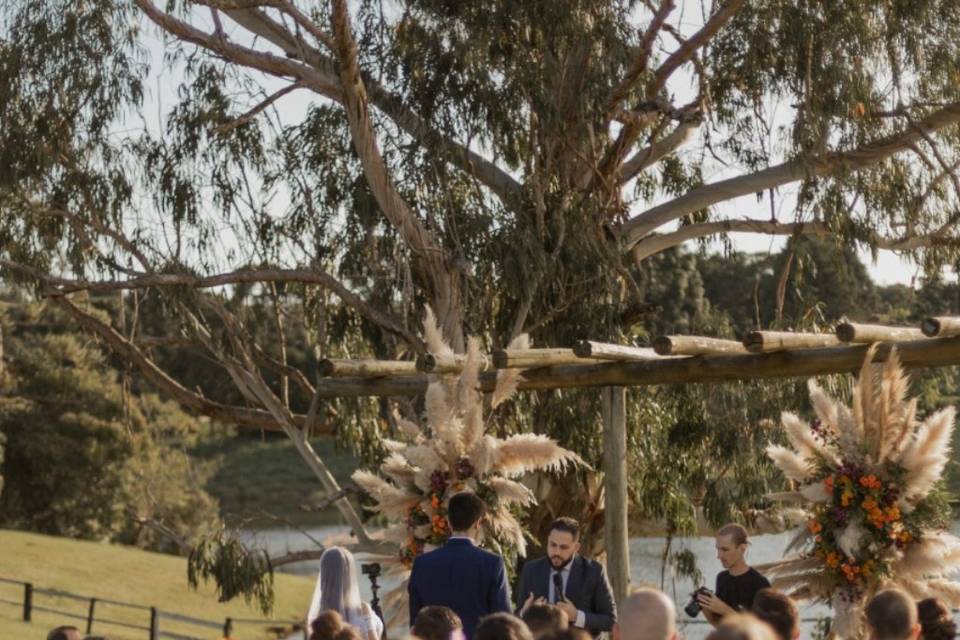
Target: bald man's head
647, 614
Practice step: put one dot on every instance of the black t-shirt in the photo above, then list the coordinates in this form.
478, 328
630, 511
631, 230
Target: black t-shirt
738, 591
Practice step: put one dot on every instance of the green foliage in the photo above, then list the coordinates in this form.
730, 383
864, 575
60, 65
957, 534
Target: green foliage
85, 458
236, 570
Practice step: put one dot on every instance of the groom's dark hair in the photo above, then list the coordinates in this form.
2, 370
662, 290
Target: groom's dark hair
465, 510
568, 525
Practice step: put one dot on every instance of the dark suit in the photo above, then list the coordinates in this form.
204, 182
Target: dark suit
587, 588
462, 576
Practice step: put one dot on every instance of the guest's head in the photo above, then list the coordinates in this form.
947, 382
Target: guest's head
778, 611
563, 541
646, 614
936, 623
732, 545
326, 625
502, 626
892, 615
347, 632
339, 586
544, 620
436, 623
742, 626
570, 633
464, 511
66, 632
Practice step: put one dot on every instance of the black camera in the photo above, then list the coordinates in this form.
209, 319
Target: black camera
692, 608
371, 569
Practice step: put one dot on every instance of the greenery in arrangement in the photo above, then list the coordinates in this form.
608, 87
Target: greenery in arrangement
870, 481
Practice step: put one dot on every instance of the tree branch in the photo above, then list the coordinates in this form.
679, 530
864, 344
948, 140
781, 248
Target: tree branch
867, 155
319, 73
654, 244
304, 276
642, 60
650, 155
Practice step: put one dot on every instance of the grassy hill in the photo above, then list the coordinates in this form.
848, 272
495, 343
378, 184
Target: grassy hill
125, 574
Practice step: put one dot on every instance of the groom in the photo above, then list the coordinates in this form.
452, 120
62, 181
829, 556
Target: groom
460, 575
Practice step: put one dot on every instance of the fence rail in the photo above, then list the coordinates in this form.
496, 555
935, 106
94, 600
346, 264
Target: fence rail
154, 632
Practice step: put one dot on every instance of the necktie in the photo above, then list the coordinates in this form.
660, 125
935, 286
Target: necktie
557, 587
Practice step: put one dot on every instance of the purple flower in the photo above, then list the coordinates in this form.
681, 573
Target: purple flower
464, 469
438, 482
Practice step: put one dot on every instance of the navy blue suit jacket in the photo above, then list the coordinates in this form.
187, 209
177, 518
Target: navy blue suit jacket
462, 576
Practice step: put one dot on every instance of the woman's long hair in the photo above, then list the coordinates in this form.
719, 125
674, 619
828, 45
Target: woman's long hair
338, 588
936, 623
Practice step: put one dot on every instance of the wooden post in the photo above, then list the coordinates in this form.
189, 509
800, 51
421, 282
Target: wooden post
614, 402
154, 624
27, 601
695, 346
618, 352
90, 610
339, 368
227, 627
764, 341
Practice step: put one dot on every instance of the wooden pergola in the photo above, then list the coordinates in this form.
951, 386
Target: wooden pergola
671, 360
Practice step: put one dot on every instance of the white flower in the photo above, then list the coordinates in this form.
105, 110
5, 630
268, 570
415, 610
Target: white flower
849, 540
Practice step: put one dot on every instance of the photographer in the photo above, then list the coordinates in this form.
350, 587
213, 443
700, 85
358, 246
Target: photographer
738, 583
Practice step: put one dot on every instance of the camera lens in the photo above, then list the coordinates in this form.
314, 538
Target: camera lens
693, 607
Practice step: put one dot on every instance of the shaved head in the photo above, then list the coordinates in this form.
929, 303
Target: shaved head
647, 614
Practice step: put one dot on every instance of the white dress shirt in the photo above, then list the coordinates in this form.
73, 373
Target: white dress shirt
564, 576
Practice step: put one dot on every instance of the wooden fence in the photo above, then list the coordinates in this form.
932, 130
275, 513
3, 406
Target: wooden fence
152, 616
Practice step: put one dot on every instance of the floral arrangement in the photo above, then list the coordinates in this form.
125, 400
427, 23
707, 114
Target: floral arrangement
451, 453
867, 480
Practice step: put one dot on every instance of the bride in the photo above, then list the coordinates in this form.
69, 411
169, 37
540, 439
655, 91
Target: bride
339, 590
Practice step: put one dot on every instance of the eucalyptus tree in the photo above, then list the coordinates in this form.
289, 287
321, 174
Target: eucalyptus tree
515, 165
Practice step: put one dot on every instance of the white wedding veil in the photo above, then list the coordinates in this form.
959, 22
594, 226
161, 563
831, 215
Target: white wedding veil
337, 587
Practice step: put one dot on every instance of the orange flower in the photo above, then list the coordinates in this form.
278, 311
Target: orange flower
846, 497
828, 483
435, 501
814, 526
893, 513
871, 482
833, 560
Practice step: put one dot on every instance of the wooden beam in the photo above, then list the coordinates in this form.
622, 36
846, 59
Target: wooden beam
618, 352
868, 333
340, 368
438, 363
767, 341
529, 358
801, 363
695, 346
940, 326
616, 502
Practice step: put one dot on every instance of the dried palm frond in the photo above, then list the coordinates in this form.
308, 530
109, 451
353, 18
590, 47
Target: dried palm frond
893, 412
432, 335
925, 457
468, 386
785, 496
796, 564
816, 492
484, 454
789, 462
393, 446
398, 469
506, 528
901, 436
946, 590
410, 430
865, 400
801, 538
824, 406
935, 554
803, 441
509, 379
438, 407
511, 492
526, 452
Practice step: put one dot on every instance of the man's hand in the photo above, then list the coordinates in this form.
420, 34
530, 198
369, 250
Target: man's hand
568, 610
710, 602
531, 601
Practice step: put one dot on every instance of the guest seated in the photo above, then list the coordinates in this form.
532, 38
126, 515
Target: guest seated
742, 626
502, 626
646, 614
778, 611
66, 632
892, 615
325, 625
436, 622
936, 623
544, 620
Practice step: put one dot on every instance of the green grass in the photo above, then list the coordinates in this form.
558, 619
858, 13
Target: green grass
125, 574
270, 476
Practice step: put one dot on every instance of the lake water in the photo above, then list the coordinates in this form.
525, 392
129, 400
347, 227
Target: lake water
645, 566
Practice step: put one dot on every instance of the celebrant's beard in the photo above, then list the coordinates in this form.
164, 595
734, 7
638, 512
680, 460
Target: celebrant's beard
562, 566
